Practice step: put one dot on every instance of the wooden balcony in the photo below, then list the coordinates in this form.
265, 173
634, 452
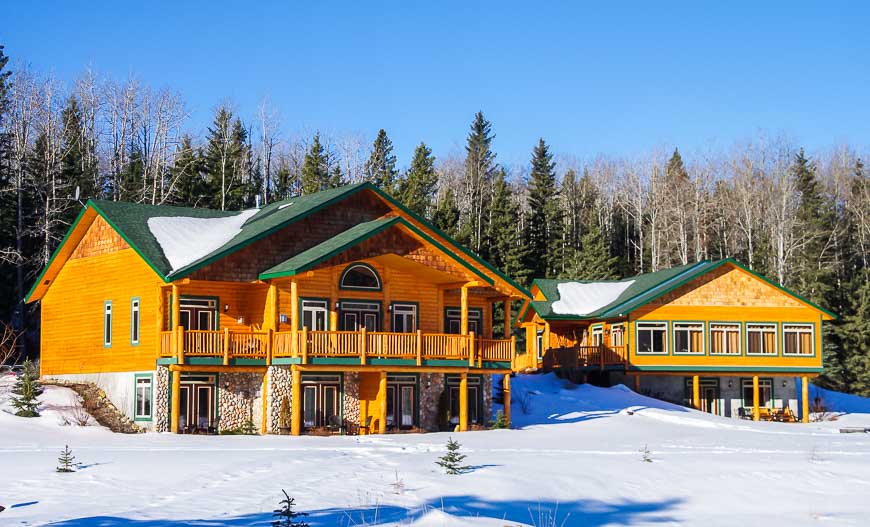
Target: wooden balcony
588, 357
334, 347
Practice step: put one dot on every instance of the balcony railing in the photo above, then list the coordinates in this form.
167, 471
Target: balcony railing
307, 345
600, 356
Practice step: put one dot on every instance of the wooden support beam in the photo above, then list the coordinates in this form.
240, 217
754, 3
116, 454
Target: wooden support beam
463, 313
637, 383
265, 424
294, 316
213, 368
176, 307
471, 358
362, 345
419, 347
440, 310
387, 322
226, 349
805, 399
382, 403
272, 312
295, 401
507, 319
304, 344
392, 369
160, 318
696, 392
333, 301
506, 385
463, 402
755, 414
176, 402
179, 344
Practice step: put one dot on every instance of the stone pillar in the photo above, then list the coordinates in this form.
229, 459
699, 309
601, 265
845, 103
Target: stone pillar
240, 406
351, 405
161, 399
431, 388
280, 381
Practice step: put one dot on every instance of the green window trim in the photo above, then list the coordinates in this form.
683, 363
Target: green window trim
108, 323
776, 338
748, 380
812, 327
136, 415
356, 265
740, 338
395, 303
301, 314
135, 321
665, 346
704, 342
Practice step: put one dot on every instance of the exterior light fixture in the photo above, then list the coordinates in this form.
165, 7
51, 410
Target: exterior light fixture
730, 383
241, 319
226, 307
282, 318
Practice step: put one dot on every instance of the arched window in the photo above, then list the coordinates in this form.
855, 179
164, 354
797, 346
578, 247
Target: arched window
360, 276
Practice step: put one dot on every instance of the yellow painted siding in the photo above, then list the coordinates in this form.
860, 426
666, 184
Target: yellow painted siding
72, 315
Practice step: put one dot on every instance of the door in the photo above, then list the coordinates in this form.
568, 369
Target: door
198, 314
320, 404
315, 314
404, 318
358, 315
401, 402
710, 399
196, 405
454, 320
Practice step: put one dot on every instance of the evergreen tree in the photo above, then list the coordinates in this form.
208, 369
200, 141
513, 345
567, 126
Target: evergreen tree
77, 154
227, 162
592, 261
480, 167
315, 169
26, 391
544, 228
284, 182
285, 516
66, 461
451, 462
446, 215
504, 238
186, 174
380, 168
417, 188
853, 334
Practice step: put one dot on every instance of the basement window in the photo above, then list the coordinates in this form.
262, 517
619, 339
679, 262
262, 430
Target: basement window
144, 394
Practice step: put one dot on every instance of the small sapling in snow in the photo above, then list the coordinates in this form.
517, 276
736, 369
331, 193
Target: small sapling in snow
451, 462
66, 461
647, 455
285, 516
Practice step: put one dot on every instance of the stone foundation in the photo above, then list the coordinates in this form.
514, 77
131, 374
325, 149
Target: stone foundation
487, 416
280, 384
350, 402
240, 399
160, 403
431, 388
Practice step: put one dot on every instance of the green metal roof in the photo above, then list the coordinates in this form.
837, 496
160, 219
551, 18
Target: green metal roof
329, 248
646, 288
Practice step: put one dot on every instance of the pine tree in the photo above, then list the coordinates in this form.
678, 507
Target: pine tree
446, 215
480, 167
504, 238
66, 461
186, 175
417, 188
380, 168
77, 169
544, 228
315, 170
853, 333
227, 162
451, 462
26, 391
285, 516
592, 261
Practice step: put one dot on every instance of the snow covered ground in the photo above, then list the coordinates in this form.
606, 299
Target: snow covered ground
576, 460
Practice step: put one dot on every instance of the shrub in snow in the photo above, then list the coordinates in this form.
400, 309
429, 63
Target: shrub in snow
66, 460
285, 516
26, 391
451, 462
500, 420
647, 455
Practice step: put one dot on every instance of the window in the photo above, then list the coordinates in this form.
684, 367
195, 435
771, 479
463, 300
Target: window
454, 320
798, 339
725, 338
315, 313
765, 392
360, 276
475, 398
539, 344
107, 324
617, 336
198, 313
689, 337
134, 322
357, 315
761, 339
143, 398
404, 318
597, 335
651, 337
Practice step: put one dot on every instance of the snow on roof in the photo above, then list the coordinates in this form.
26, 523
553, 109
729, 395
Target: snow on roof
185, 240
576, 298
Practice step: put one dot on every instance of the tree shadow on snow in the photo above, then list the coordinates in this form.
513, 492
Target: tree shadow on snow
588, 513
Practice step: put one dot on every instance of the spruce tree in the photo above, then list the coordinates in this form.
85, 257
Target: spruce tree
187, 174
417, 188
446, 215
480, 168
77, 155
26, 391
853, 333
451, 462
66, 461
227, 162
285, 516
315, 170
592, 261
380, 168
544, 227
506, 246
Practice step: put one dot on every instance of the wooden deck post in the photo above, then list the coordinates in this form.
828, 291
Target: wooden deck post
176, 401
304, 344
755, 413
382, 403
463, 402
463, 310
226, 346
506, 384
440, 310
272, 318
805, 399
176, 307
160, 319
295, 401
470, 349
362, 346
294, 316
419, 347
270, 339
507, 318
637, 383
179, 345
513, 352
265, 424
696, 392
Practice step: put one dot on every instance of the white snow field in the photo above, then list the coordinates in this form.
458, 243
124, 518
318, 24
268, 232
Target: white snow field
575, 459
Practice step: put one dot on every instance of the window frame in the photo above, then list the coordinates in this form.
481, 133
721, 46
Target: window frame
776, 332
596, 330
746, 383
674, 330
365, 266
136, 378
474, 314
326, 310
621, 327
638, 329
415, 306
710, 330
812, 328
108, 323
135, 321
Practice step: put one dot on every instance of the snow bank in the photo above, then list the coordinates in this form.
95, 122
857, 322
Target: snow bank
185, 240
581, 299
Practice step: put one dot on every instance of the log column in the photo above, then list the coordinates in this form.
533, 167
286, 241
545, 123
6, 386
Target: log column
506, 384
176, 401
463, 313
805, 399
507, 318
463, 402
755, 414
294, 316
295, 401
382, 403
696, 392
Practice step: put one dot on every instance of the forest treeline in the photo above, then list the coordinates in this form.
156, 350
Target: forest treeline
801, 219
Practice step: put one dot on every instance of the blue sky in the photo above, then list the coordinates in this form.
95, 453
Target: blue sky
613, 78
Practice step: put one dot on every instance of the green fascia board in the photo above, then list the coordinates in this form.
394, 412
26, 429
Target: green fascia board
392, 362
286, 360
167, 360
443, 235
248, 362
734, 369
204, 361
329, 248
54, 254
273, 218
